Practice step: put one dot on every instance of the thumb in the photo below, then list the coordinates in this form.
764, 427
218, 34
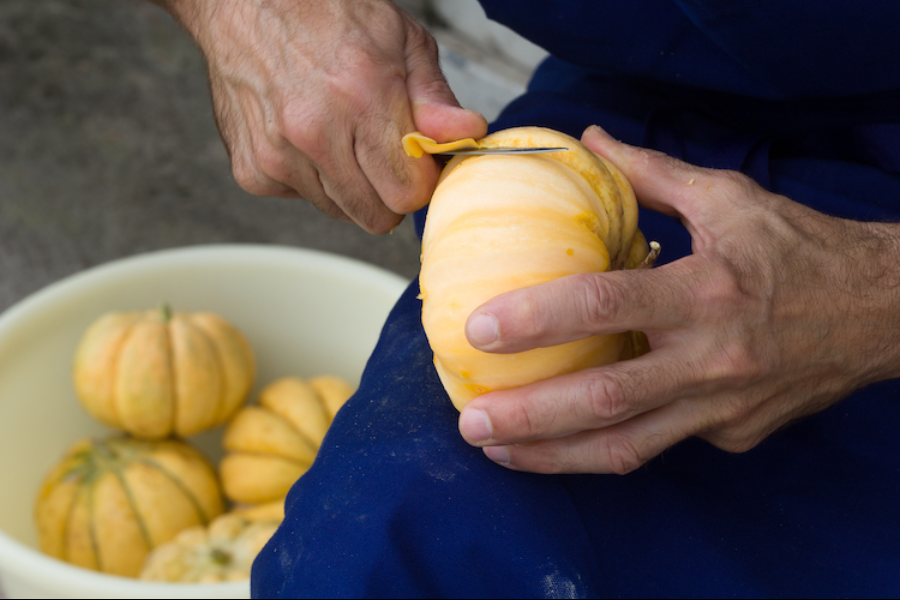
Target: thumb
436, 111
661, 183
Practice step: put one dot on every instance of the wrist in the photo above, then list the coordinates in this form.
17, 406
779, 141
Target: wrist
881, 298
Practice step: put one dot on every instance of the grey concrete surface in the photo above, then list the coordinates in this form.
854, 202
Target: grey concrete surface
108, 147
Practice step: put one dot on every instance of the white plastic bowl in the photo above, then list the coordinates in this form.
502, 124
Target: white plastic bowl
305, 313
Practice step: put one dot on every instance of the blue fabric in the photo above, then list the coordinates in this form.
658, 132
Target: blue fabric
397, 505
775, 49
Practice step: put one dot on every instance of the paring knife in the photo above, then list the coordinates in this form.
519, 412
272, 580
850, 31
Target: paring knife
415, 144
475, 151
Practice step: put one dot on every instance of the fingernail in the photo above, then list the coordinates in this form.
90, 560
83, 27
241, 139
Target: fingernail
475, 426
483, 330
498, 454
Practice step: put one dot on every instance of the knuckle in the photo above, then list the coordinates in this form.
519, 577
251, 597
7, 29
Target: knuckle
735, 181
361, 73
735, 440
738, 425
736, 186
670, 163
408, 187
605, 398
654, 161
380, 224
429, 46
251, 179
742, 362
420, 40
734, 364
405, 186
622, 456
732, 421
734, 288
422, 49
722, 288
741, 445
305, 130
272, 163
527, 424
602, 299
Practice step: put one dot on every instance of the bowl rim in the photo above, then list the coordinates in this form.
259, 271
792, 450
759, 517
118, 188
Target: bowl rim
311, 258
18, 559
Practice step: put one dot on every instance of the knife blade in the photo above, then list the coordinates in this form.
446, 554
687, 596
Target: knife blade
500, 150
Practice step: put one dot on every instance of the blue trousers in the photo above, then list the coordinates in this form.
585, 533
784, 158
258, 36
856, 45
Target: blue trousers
398, 505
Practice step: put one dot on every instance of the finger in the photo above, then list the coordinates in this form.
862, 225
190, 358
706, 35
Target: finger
313, 191
364, 168
661, 183
618, 449
263, 162
255, 180
280, 170
435, 109
429, 107
588, 399
402, 183
350, 179
579, 306
405, 184
356, 150
320, 158
244, 145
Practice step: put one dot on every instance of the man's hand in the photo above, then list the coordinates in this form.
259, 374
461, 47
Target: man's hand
312, 98
780, 312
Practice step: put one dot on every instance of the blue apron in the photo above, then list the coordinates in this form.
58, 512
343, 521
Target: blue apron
805, 98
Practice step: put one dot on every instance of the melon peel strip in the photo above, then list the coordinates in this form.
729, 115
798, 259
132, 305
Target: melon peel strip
415, 145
